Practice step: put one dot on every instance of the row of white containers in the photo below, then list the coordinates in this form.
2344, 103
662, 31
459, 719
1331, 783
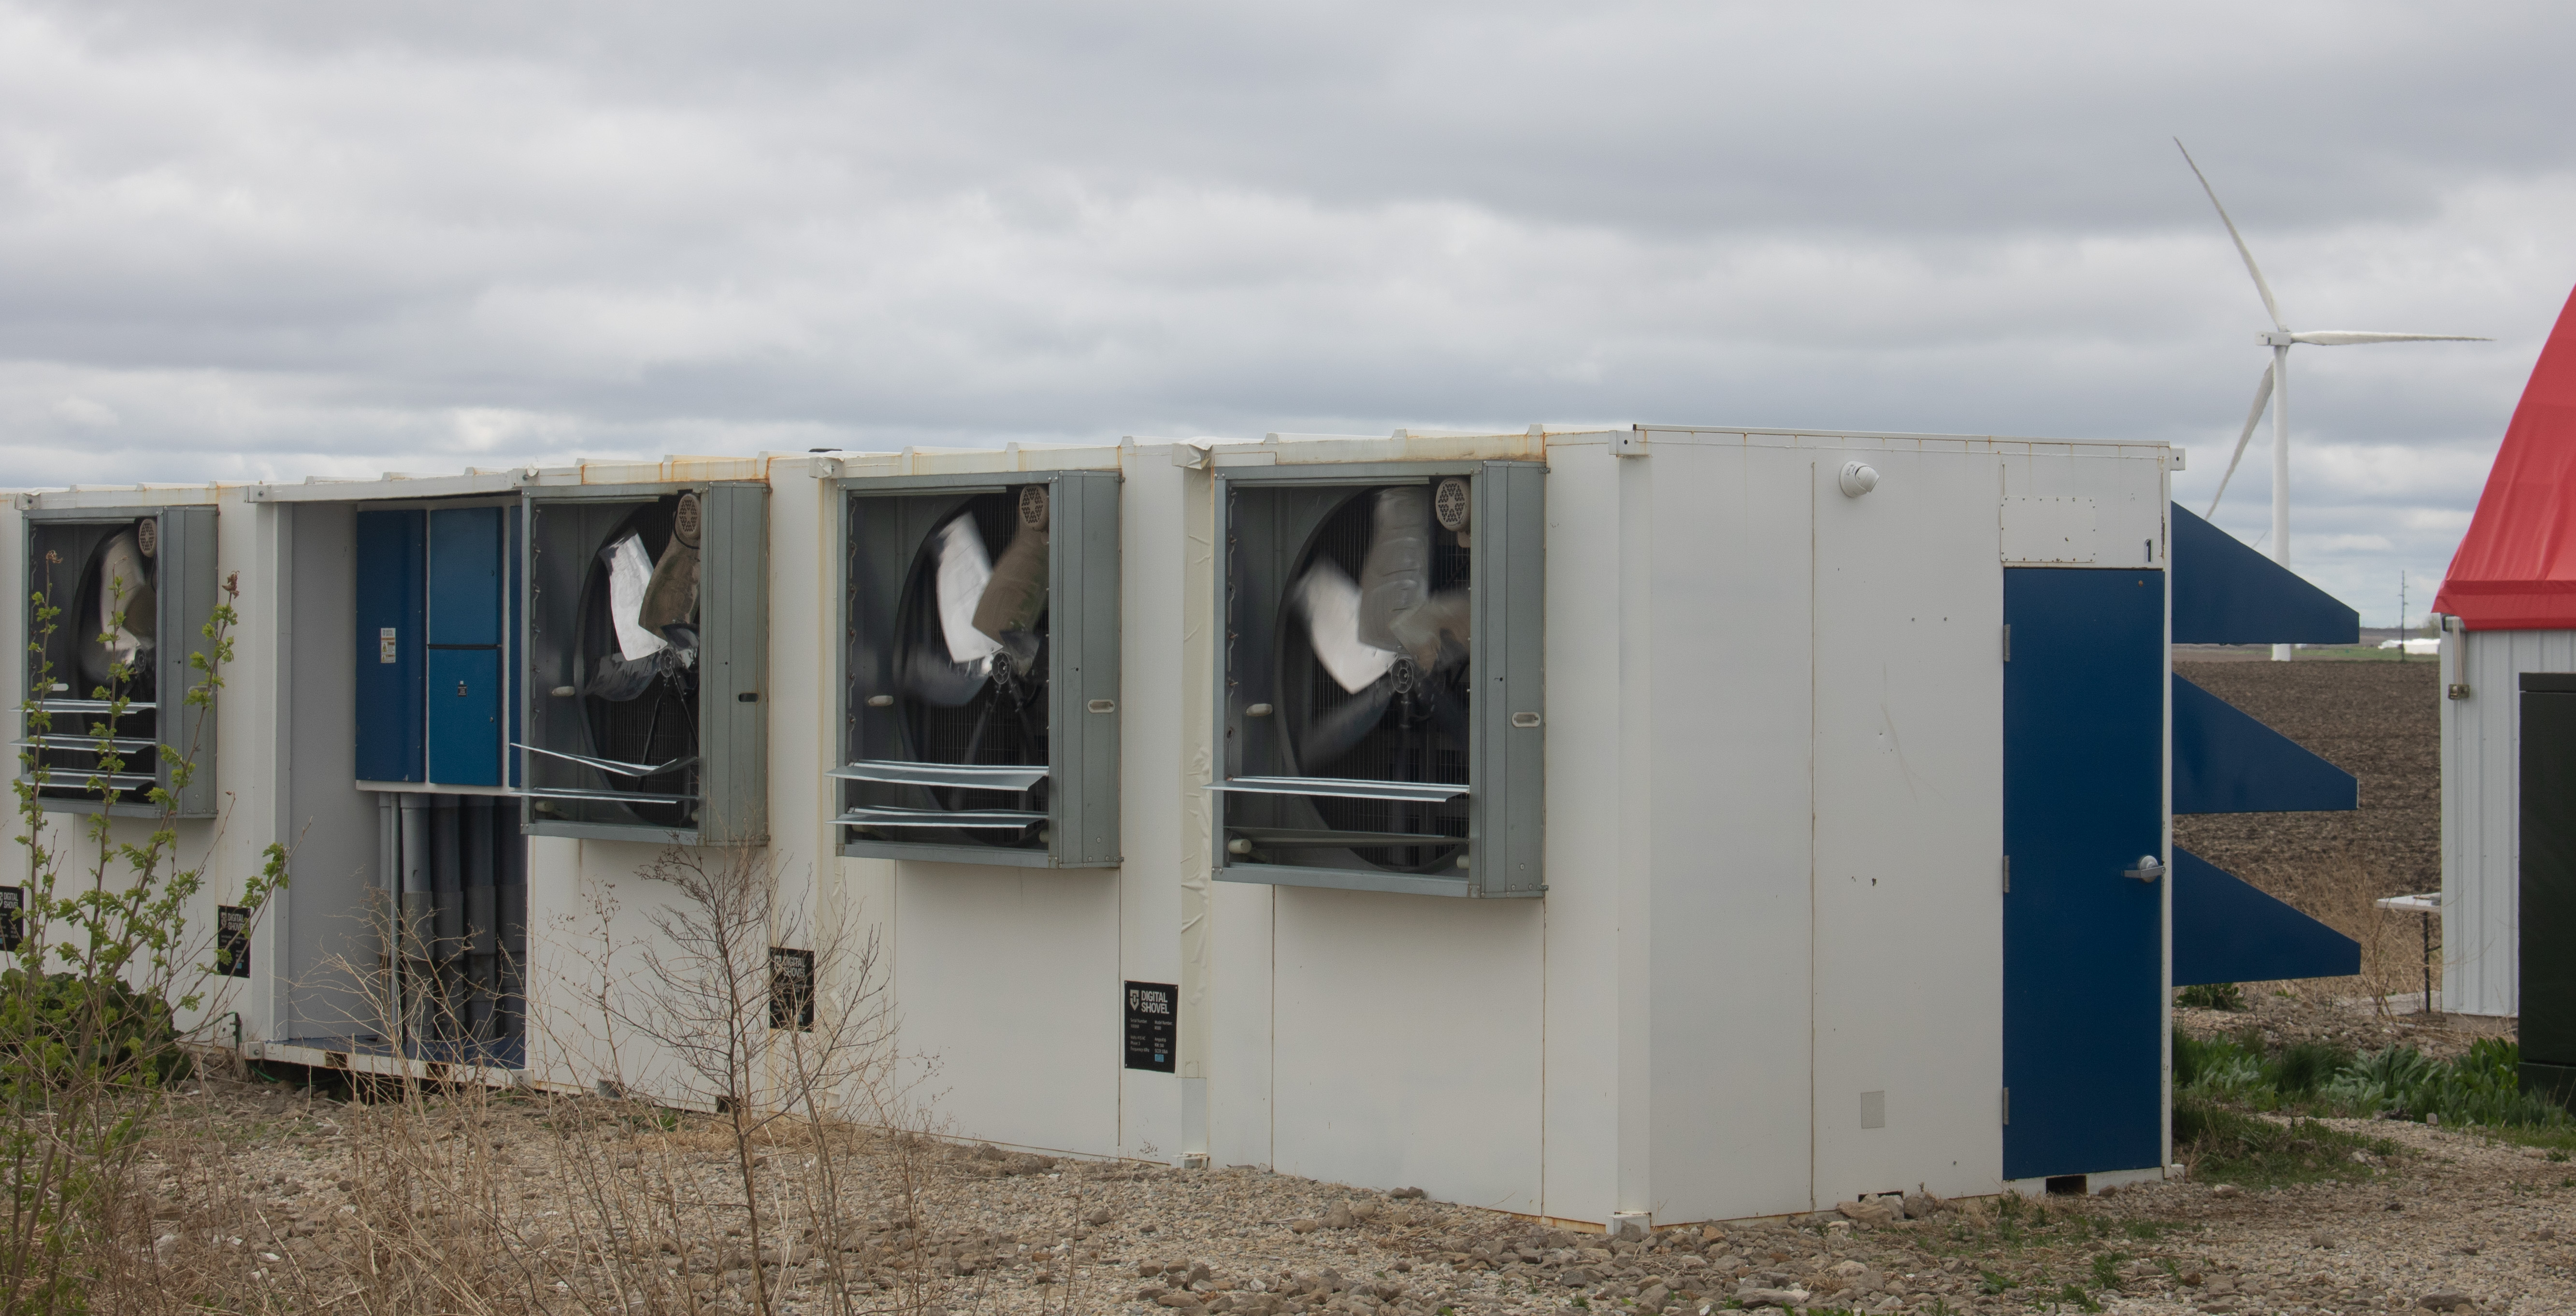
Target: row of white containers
1771, 804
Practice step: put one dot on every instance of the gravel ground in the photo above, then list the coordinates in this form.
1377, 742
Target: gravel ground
2443, 1213
2446, 1218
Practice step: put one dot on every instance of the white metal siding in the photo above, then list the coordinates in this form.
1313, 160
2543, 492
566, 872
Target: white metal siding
1909, 827
1774, 815
2482, 809
1719, 764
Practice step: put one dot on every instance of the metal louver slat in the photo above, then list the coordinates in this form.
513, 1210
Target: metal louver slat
1343, 787
978, 818
977, 776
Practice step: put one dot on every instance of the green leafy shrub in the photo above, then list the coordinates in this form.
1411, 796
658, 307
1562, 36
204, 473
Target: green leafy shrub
2218, 1067
2483, 1086
103, 960
61, 1029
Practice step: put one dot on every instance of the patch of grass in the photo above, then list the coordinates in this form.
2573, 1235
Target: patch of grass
2303, 1067
2145, 1231
2231, 1146
2480, 1089
1990, 1283
2212, 996
2083, 1301
2106, 1269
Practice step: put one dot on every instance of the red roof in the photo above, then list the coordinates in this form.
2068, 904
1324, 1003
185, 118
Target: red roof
2516, 569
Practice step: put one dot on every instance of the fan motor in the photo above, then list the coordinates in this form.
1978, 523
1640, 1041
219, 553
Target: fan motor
685, 523
1033, 506
147, 536
1449, 503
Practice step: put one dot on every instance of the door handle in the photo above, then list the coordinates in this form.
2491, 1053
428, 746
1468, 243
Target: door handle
2148, 870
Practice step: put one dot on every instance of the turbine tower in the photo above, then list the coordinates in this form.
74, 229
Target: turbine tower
2275, 388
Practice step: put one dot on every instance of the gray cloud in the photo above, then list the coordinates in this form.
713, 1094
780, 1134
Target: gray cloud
290, 238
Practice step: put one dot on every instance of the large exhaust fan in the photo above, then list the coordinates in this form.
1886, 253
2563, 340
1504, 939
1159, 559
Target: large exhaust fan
646, 625
134, 590
1381, 678
982, 669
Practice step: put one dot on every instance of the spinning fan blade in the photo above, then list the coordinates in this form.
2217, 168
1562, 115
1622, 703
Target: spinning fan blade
1395, 577
1434, 632
617, 679
124, 587
1331, 605
630, 572
1017, 593
1333, 735
671, 596
963, 571
934, 678
948, 669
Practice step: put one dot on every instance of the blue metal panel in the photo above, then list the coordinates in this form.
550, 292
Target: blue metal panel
2225, 930
467, 614
465, 717
2083, 962
515, 526
389, 600
2226, 593
465, 575
2226, 762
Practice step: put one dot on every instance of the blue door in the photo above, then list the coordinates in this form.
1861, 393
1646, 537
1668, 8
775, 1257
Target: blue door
465, 717
466, 626
2083, 803
390, 643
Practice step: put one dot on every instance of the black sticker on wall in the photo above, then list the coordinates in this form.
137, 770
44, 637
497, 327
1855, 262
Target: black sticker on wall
791, 988
232, 941
1153, 1026
13, 917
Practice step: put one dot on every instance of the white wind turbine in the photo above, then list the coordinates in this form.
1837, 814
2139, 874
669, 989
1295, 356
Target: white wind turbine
2275, 388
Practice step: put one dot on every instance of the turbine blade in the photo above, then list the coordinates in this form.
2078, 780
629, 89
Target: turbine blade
2253, 417
2353, 337
2250, 267
1331, 604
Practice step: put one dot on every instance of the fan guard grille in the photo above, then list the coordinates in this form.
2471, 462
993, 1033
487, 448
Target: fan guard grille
1402, 747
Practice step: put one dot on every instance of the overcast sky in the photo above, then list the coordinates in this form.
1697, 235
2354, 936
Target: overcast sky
283, 239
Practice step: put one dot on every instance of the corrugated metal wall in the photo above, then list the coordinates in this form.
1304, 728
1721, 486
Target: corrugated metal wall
2482, 806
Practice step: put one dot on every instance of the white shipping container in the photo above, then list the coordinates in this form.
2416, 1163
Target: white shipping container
1767, 970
